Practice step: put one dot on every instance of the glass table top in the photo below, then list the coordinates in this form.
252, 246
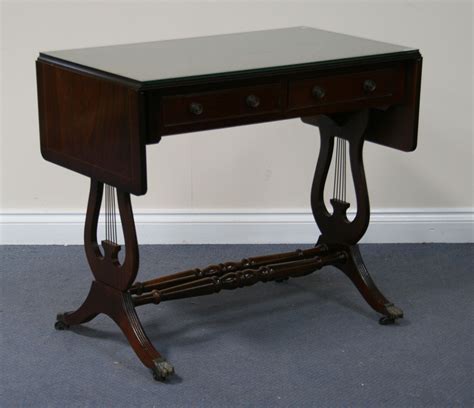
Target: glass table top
157, 61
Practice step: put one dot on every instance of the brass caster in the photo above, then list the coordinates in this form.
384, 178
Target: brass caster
393, 313
60, 324
162, 369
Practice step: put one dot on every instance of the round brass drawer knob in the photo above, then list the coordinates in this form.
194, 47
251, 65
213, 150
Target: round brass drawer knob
319, 92
369, 85
252, 101
196, 108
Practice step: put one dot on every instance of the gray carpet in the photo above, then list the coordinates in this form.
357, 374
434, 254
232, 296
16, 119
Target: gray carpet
310, 342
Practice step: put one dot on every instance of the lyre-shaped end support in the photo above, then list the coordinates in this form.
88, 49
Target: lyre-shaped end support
336, 227
109, 293
337, 231
106, 267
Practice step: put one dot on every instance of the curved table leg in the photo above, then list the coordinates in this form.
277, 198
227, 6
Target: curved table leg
86, 312
355, 269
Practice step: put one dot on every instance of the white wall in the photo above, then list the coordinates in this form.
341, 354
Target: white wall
258, 169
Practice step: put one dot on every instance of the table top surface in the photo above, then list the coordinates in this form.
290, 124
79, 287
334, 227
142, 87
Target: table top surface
203, 57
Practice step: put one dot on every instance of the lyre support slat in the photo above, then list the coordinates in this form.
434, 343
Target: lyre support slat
346, 131
219, 269
240, 278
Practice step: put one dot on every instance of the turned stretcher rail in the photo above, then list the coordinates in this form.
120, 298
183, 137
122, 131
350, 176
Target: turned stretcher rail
220, 269
240, 278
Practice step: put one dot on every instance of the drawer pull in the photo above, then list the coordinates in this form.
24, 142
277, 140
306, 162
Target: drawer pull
196, 108
318, 92
252, 101
369, 85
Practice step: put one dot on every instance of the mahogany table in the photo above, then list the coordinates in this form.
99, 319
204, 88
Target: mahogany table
100, 107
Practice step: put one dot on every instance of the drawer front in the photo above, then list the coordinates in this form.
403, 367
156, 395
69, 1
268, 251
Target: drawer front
382, 85
222, 104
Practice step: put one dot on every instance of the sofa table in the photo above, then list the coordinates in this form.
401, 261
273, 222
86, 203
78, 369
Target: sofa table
100, 107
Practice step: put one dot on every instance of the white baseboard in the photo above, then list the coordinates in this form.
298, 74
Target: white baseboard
242, 227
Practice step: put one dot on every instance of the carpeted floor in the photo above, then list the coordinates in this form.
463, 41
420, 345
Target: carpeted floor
310, 342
